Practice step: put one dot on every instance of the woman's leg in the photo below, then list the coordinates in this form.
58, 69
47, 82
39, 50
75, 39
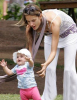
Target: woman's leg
50, 91
69, 70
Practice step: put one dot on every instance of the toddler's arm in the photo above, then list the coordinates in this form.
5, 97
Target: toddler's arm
5, 68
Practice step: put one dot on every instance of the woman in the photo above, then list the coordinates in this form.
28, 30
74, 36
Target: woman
60, 32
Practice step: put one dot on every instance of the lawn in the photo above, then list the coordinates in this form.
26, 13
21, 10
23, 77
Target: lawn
17, 97
9, 97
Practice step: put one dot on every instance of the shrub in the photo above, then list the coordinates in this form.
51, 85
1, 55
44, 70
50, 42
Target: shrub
13, 12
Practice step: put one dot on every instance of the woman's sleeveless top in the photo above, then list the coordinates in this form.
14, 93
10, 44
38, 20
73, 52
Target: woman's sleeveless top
67, 26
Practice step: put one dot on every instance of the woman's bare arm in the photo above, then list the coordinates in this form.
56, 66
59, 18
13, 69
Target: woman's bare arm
55, 27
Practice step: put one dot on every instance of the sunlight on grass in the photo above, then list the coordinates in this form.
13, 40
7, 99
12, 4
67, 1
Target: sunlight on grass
17, 97
59, 97
9, 97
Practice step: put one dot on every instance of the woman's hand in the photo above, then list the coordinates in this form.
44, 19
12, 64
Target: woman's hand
42, 71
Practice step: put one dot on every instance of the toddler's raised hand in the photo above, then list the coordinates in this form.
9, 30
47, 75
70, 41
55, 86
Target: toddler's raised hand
27, 58
3, 63
30, 61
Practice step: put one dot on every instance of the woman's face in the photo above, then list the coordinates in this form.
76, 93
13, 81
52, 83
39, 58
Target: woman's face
34, 21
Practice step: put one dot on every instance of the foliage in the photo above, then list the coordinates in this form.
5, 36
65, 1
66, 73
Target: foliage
75, 12
13, 12
0, 14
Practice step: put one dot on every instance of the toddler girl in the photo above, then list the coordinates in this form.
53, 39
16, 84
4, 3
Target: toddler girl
25, 74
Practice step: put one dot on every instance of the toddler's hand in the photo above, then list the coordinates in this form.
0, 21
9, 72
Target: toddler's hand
28, 59
3, 63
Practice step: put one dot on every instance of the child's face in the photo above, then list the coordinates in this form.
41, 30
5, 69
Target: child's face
21, 59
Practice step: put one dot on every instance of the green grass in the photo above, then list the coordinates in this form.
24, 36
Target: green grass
17, 97
1, 8
9, 97
59, 97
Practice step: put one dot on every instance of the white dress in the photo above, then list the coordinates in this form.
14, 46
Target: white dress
69, 43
